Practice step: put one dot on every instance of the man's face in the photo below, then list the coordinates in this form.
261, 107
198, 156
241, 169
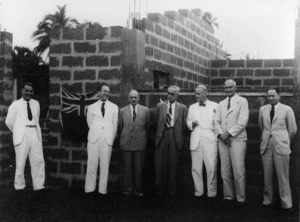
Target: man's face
104, 93
133, 98
273, 97
229, 88
200, 94
27, 92
172, 95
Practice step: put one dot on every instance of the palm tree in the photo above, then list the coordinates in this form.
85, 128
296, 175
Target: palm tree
51, 21
208, 18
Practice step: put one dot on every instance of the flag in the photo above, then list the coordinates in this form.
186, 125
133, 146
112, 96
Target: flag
73, 114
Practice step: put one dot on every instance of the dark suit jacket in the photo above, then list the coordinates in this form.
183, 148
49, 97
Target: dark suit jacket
134, 133
179, 122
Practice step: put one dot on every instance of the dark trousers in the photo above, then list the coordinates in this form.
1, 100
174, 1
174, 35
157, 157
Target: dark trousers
165, 162
133, 162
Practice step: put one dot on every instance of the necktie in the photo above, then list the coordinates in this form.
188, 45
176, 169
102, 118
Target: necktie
169, 116
133, 113
29, 112
103, 109
228, 105
272, 112
202, 104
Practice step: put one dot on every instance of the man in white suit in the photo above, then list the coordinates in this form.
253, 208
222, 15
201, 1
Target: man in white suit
231, 121
278, 127
203, 142
102, 120
23, 121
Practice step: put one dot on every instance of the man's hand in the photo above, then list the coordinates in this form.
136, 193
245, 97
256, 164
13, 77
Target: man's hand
224, 136
194, 124
227, 142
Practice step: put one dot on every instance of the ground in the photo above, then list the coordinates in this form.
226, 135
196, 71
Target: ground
64, 204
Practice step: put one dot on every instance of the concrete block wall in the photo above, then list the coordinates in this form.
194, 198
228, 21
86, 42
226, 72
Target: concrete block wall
79, 60
182, 44
254, 75
6, 98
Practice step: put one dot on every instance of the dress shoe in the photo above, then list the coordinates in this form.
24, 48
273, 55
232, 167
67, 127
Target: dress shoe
126, 193
288, 210
138, 194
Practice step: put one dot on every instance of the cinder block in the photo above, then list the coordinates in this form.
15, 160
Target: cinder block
166, 34
218, 63
147, 25
288, 62
158, 29
173, 59
61, 48
177, 28
98, 61
116, 31
72, 61
180, 40
187, 44
55, 87
288, 82
254, 63
70, 168
170, 23
87, 74
110, 47
53, 61
186, 64
109, 74
183, 53
162, 45
179, 62
149, 51
96, 33
157, 18
172, 15
245, 72
227, 72
84, 47
272, 63
73, 87
56, 33
167, 57
271, 82
197, 12
252, 82
281, 72
157, 54
91, 86
170, 48
153, 41
60, 74
115, 60
73, 34
263, 72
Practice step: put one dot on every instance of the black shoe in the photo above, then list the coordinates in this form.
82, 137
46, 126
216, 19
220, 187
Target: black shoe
288, 210
126, 193
139, 194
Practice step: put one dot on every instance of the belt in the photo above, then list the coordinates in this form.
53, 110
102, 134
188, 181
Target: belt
31, 126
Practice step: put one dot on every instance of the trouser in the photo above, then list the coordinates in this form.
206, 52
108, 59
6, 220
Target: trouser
133, 168
99, 150
31, 145
270, 159
207, 153
165, 162
233, 170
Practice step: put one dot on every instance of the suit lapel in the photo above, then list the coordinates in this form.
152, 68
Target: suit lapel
176, 112
267, 114
278, 112
138, 115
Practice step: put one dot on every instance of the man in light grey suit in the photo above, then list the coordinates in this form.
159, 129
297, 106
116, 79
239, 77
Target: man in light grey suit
278, 127
102, 120
231, 121
134, 122
170, 118
23, 120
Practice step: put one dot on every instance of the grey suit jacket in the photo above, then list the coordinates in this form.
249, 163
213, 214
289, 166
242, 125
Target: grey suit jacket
17, 117
134, 133
179, 122
234, 120
282, 129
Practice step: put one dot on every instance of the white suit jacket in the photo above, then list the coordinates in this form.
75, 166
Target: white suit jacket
282, 129
234, 120
98, 124
206, 128
17, 118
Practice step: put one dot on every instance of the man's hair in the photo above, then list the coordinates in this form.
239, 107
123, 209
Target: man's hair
176, 88
27, 84
99, 88
277, 90
133, 90
231, 80
201, 86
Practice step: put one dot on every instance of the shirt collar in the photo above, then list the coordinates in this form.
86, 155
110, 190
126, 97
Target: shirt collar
275, 106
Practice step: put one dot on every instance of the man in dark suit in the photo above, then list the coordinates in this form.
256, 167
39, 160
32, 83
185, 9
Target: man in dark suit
278, 127
170, 118
134, 122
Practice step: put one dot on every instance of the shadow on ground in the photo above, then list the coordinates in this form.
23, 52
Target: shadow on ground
62, 204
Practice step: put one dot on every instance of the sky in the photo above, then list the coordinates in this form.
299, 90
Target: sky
264, 29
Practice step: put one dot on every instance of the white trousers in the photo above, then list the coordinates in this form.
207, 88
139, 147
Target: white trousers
270, 159
207, 153
98, 151
233, 170
33, 146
